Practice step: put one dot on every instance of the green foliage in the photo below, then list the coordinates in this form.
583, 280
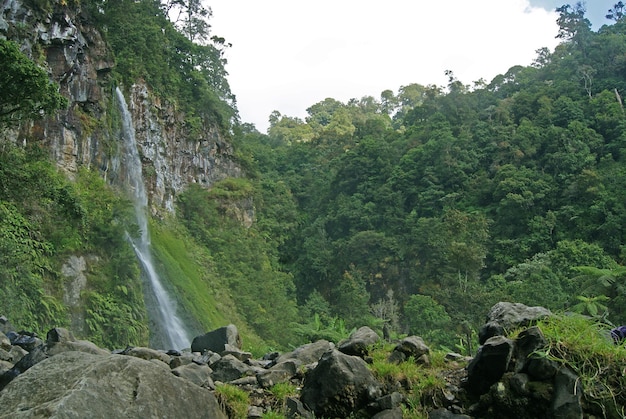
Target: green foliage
332, 329
428, 319
233, 400
27, 92
114, 324
467, 196
584, 346
148, 46
242, 257
45, 219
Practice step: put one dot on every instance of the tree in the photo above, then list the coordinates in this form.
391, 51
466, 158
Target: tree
426, 317
27, 92
191, 18
617, 12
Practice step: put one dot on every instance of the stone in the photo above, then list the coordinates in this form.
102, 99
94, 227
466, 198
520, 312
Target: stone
200, 375
255, 412
519, 384
106, 386
339, 385
489, 364
148, 354
390, 401
182, 359
411, 346
269, 378
566, 399
57, 335
207, 357
79, 346
5, 325
236, 352
541, 369
294, 409
527, 343
32, 358
25, 340
443, 413
229, 368
217, 340
5, 342
504, 317
358, 342
395, 413
5, 355
17, 353
307, 354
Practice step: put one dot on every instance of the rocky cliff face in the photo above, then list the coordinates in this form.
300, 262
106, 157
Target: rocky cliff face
86, 134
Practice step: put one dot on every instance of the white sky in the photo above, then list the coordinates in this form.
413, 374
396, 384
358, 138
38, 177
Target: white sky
290, 54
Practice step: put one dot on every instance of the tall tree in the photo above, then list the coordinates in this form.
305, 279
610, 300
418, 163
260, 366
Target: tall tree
27, 92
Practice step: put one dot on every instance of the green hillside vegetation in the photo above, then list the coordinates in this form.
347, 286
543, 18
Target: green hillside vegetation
414, 212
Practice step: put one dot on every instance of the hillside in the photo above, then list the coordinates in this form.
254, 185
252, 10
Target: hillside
412, 213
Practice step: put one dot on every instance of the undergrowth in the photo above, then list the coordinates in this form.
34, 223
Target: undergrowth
585, 346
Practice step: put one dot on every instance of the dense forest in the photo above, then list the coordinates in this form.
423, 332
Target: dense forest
413, 212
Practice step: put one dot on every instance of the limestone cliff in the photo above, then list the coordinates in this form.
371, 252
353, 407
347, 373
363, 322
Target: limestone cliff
86, 134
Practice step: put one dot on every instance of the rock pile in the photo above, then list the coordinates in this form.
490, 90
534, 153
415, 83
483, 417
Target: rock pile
65, 377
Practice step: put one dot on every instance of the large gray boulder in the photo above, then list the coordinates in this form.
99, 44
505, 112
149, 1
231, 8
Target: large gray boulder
217, 340
359, 342
339, 386
307, 354
504, 317
77, 384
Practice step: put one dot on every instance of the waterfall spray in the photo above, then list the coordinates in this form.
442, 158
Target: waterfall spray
164, 314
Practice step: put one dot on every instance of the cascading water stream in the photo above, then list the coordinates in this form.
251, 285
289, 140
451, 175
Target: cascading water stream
165, 320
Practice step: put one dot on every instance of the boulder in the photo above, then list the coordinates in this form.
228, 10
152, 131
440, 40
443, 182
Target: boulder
76, 384
339, 386
411, 346
32, 358
443, 413
279, 373
295, 409
504, 317
26, 340
79, 346
200, 375
359, 342
395, 413
307, 354
528, 341
57, 335
5, 325
5, 342
489, 364
566, 399
148, 354
217, 340
229, 368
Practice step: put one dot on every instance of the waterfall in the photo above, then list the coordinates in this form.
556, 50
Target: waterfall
166, 328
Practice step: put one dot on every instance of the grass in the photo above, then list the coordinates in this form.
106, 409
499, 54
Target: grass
233, 400
419, 382
280, 392
198, 289
584, 345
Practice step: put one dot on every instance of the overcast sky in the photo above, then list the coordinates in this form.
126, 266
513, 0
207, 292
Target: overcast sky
289, 54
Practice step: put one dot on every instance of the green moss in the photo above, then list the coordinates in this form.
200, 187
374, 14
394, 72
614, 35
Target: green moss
189, 269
